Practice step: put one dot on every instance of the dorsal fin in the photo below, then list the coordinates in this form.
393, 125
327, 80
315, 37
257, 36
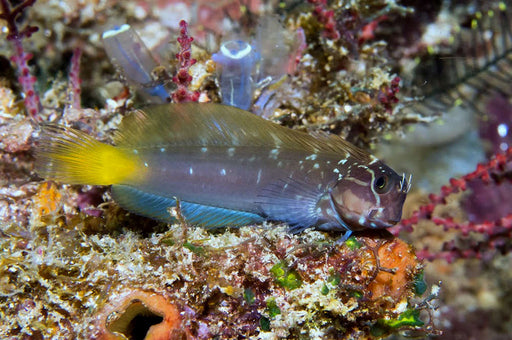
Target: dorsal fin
216, 124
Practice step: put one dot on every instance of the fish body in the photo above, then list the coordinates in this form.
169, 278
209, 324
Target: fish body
228, 167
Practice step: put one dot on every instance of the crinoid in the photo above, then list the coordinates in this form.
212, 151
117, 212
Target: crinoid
477, 63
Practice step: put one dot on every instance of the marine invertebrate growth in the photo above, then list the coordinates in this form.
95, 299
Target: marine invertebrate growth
128, 52
134, 313
20, 57
74, 80
326, 18
183, 78
474, 65
262, 63
236, 60
496, 233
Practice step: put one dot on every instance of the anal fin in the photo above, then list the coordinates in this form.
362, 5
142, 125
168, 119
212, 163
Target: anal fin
143, 203
156, 207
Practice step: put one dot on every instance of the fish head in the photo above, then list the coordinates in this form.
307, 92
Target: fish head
369, 196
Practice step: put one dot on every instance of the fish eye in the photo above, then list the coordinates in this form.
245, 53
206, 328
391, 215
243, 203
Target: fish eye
381, 184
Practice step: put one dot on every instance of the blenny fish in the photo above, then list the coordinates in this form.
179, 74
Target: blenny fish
228, 167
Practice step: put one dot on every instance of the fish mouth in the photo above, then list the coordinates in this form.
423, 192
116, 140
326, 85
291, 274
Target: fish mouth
381, 222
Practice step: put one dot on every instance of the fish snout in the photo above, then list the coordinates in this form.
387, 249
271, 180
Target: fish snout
384, 218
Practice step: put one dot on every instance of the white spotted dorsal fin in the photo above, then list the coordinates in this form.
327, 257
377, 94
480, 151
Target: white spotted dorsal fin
216, 124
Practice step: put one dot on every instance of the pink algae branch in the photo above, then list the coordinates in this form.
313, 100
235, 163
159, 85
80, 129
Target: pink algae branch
74, 80
387, 94
496, 232
183, 77
326, 18
20, 57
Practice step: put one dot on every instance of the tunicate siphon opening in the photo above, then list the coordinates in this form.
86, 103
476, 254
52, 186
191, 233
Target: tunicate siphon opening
135, 322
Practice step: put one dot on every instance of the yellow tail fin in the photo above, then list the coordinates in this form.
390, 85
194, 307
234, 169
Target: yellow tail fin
71, 156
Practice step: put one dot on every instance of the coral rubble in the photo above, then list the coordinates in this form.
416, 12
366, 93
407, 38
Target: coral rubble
247, 282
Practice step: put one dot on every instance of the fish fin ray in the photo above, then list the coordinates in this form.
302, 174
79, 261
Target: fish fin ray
157, 207
291, 201
143, 203
182, 124
214, 217
72, 156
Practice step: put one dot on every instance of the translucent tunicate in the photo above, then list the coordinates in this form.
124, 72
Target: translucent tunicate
126, 49
237, 60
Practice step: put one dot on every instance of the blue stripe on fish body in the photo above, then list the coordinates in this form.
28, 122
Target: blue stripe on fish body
230, 167
158, 208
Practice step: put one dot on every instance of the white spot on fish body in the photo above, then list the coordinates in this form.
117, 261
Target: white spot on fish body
203, 150
336, 171
361, 220
273, 153
135, 151
231, 152
146, 164
316, 166
162, 149
259, 177
223, 172
342, 161
311, 157
191, 171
